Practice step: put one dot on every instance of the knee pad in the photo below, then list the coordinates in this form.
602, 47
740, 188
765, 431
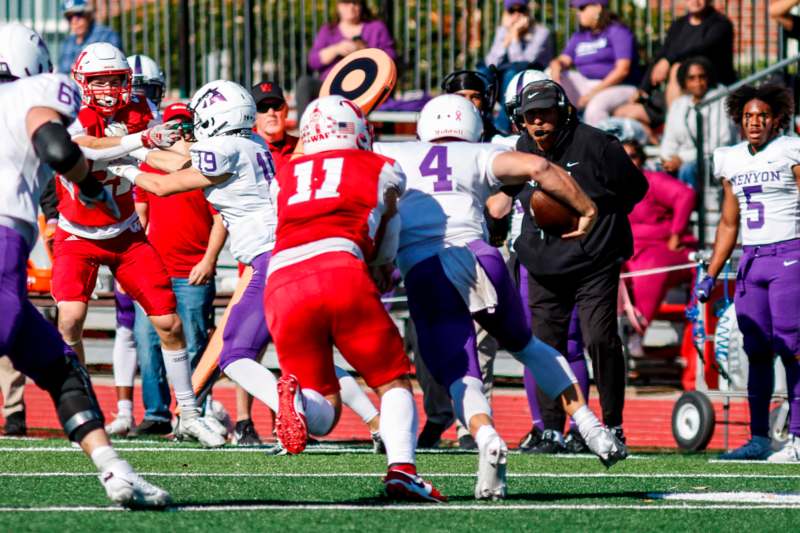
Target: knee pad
77, 407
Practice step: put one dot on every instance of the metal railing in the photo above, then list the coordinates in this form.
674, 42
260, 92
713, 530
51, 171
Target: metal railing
702, 177
244, 40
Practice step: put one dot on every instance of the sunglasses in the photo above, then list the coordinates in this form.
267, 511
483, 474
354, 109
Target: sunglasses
517, 9
264, 107
71, 16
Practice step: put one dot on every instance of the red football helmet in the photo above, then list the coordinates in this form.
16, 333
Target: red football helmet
98, 60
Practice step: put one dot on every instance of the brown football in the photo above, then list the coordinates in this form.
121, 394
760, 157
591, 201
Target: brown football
551, 215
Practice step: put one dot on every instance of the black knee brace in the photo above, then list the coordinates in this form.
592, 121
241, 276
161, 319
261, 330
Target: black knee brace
77, 407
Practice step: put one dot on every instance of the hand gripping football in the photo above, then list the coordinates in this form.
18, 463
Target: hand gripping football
551, 215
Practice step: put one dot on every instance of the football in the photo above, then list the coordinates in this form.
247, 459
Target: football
551, 215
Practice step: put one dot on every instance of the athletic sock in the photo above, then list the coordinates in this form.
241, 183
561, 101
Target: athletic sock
551, 371
125, 408
484, 435
105, 457
319, 412
179, 373
586, 421
760, 382
468, 399
354, 397
399, 426
533, 401
582, 374
124, 357
256, 379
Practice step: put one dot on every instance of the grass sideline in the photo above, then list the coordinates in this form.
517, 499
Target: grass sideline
338, 489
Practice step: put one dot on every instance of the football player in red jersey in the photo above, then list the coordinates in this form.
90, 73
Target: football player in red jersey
336, 214
89, 237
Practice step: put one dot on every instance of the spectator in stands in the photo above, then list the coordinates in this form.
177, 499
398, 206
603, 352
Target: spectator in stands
271, 113
661, 237
678, 150
12, 386
703, 31
83, 31
188, 234
353, 28
780, 11
605, 60
519, 44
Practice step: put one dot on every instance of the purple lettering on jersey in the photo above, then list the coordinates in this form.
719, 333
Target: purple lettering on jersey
757, 207
267, 166
206, 161
747, 178
435, 164
68, 96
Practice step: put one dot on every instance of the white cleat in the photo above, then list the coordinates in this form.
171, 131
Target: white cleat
491, 483
215, 425
120, 426
606, 446
220, 413
125, 487
790, 453
197, 428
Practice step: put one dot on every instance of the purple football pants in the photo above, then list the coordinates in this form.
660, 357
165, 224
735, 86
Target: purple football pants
31, 342
126, 313
445, 330
246, 333
768, 312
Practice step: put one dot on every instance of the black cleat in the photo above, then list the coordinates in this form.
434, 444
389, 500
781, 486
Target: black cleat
617, 431
244, 434
552, 442
467, 442
151, 427
530, 440
574, 442
15, 425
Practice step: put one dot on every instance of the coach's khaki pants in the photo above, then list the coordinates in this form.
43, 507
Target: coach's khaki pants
12, 385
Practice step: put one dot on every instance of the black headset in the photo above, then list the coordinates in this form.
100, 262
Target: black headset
490, 86
563, 104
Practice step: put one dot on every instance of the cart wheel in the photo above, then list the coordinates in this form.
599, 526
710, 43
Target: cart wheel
779, 424
693, 421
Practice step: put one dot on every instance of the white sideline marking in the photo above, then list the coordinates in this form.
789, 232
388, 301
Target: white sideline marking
411, 507
554, 475
742, 461
729, 497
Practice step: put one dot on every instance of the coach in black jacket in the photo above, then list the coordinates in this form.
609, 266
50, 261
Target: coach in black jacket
565, 273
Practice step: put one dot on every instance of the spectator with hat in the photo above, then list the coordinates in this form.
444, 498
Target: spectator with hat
83, 31
188, 234
604, 55
271, 114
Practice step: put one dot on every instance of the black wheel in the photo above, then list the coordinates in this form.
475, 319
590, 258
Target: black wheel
693, 421
779, 423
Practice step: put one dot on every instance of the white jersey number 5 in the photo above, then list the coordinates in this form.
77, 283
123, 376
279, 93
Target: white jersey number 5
330, 182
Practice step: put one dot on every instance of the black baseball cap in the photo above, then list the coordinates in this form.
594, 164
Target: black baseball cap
539, 95
267, 91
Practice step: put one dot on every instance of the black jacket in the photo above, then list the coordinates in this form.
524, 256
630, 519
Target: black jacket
604, 171
712, 39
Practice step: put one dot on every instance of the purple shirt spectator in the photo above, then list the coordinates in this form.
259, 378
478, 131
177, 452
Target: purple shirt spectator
594, 54
374, 34
535, 47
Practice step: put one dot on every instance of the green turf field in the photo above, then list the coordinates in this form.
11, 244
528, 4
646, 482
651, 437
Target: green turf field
46, 485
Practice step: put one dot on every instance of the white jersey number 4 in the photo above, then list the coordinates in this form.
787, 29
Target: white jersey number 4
330, 182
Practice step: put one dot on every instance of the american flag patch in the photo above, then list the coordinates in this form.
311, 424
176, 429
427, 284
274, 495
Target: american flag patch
346, 127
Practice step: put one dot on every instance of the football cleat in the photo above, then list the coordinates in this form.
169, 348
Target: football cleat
400, 485
290, 423
467, 442
574, 442
220, 413
196, 428
790, 453
530, 440
245, 434
377, 444
125, 487
756, 449
491, 483
215, 425
121, 426
604, 443
551, 442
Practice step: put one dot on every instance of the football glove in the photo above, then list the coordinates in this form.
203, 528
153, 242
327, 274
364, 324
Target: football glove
704, 287
162, 135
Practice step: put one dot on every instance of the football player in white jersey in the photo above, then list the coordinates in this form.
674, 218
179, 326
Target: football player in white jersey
147, 82
452, 275
761, 200
234, 168
37, 106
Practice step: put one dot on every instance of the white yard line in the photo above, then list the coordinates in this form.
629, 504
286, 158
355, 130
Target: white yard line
553, 475
748, 497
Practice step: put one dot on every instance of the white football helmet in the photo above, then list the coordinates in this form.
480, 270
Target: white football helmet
449, 115
221, 107
147, 79
514, 90
103, 59
23, 53
334, 123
